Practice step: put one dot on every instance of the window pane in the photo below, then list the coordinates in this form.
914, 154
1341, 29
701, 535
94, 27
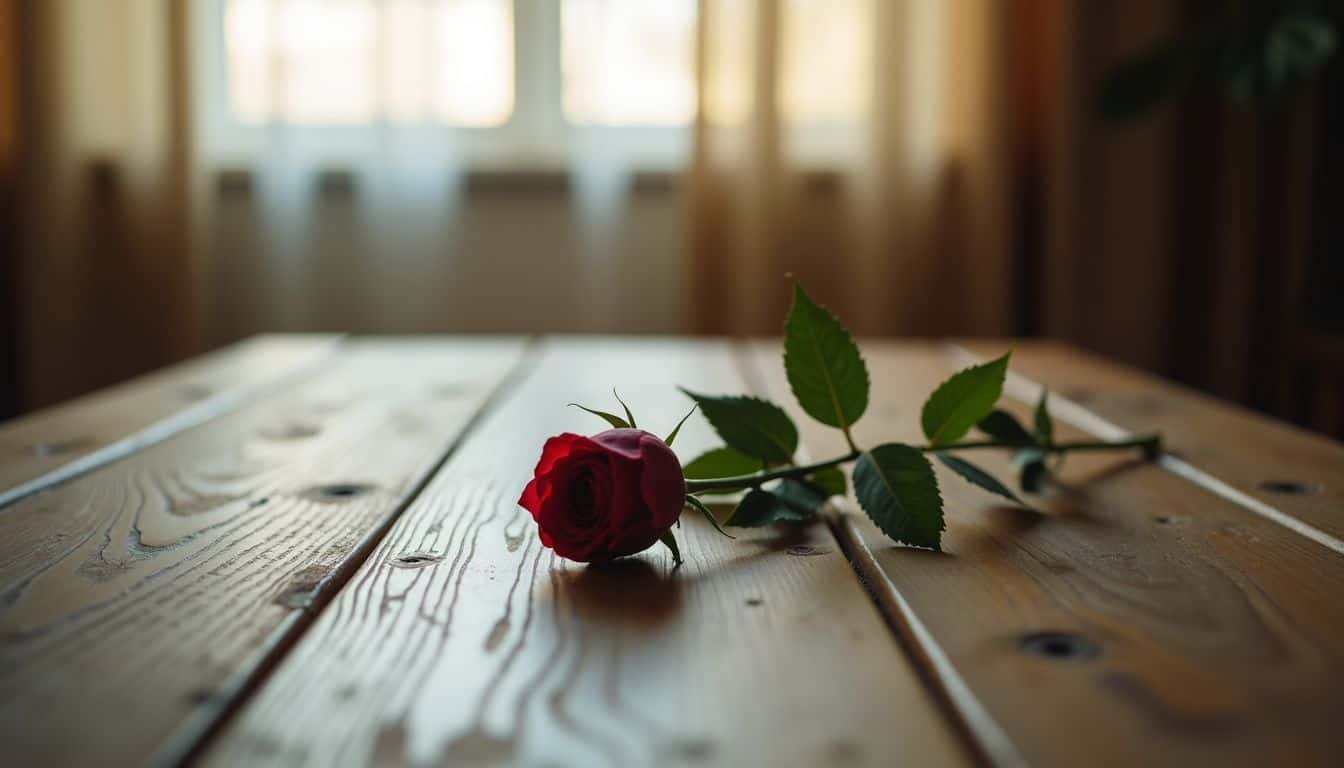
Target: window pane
475, 62
356, 61
629, 62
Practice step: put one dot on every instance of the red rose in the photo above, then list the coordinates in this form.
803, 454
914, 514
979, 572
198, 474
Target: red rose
601, 497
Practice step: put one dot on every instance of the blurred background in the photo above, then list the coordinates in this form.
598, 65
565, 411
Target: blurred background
1155, 180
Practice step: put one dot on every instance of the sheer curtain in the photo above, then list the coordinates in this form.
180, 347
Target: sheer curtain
442, 165
863, 146
105, 275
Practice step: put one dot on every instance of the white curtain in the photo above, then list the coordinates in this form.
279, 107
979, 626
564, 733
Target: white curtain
394, 219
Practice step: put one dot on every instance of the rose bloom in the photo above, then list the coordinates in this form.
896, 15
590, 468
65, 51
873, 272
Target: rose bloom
602, 497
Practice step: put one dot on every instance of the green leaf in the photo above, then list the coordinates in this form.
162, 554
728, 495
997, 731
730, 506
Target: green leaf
760, 507
791, 500
612, 419
805, 498
673, 434
670, 542
1033, 475
630, 417
1004, 427
824, 367
977, 476
750, 425
1045, 428
719, 462
700, 507
830, 480
896, 486
963, 400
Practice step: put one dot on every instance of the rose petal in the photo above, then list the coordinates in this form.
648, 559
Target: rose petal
530, 500
623, 442
560, 446
663, 486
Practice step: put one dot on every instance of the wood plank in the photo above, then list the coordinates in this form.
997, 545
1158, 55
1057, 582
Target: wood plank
135, 600
764, 650
1133, 618
1277, 464
55, 444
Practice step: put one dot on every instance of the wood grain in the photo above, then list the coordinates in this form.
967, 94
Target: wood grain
136, 599
58, 443
461, 640
1280, 465
1131, 618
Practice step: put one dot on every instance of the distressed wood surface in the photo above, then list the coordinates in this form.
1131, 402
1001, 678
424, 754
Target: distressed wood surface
137, 599
242, 585
1131, 618
1271, 462
463, 641
58, 443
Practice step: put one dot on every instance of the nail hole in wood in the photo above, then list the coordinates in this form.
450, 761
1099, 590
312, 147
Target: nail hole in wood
334, 492
293, 431
1289, 487
1163, 520
416, 559
1062, 646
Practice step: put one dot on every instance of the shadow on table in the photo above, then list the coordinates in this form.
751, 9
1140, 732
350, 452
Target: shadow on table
631, 591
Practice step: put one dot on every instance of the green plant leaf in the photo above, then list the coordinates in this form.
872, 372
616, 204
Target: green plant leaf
963, 400
670, 542
1034, 473
612, 419
630, 417
824, 367
700, 507
804, 497
896, 486
1004, 427
719, 462
1045, 427
977, 476
791, 500
830, 480
675, 430
750, 425
761, 507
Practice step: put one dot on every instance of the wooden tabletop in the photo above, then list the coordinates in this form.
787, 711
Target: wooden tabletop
306, 550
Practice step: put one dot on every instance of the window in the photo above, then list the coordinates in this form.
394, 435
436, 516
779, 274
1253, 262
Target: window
629, 63
465, 63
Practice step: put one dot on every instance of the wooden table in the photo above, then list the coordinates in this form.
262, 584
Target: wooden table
307, 550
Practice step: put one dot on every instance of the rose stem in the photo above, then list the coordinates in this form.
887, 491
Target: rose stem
1151, 444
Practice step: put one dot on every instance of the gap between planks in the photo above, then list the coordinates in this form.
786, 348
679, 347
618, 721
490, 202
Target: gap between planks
984, 737
196, 735
187, 418
1021, 388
